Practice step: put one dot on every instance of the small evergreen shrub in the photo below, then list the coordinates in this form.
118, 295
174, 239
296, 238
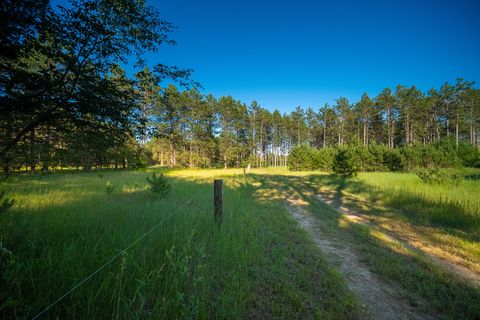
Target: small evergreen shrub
109, 187
344, 163
5, 254
5, 202
324, 158
468, 154
301, 157
159, 186
394, 160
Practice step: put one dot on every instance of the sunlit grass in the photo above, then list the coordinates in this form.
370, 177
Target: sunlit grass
256, 264
379, 213
443, 215
463, 196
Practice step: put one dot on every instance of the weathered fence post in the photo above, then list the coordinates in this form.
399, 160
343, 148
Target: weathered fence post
217, 199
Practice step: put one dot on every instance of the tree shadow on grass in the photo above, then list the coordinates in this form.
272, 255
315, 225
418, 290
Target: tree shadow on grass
450, 218
421, 280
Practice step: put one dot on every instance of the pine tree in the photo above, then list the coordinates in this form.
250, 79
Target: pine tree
159, 186
344, 163
109, 187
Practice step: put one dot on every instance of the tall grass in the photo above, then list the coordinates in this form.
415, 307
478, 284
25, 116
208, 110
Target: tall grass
451, 206
256, 264
425, 284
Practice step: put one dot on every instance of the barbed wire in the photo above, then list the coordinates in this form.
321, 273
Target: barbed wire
115, 257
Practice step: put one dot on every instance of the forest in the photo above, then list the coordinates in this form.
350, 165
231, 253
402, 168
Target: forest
66, 102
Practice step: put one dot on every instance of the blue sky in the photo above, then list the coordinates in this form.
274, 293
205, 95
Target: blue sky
289, 53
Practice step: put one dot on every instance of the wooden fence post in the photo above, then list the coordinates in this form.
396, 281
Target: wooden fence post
217, 199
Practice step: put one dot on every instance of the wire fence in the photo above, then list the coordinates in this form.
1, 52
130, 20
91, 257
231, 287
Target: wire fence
120, 253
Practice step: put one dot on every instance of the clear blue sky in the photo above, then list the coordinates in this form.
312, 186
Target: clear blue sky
289, 53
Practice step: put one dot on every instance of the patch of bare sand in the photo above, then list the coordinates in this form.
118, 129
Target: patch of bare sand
380, 299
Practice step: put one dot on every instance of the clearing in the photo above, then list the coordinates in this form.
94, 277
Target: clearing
291, 245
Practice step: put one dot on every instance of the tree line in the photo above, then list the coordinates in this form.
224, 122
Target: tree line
195, 130
65, 101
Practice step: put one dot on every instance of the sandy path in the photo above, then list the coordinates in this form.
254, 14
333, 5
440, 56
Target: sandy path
379, 298
412, 243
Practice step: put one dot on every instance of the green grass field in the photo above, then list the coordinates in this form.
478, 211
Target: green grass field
440, 219
258, 264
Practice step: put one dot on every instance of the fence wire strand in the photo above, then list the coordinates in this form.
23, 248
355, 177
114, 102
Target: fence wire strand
121, 252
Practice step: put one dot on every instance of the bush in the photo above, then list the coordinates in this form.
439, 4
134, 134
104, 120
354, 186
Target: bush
324, 158
394, 160
5, 254
435, 155
364, 160
159, 186
109, 187
5, 202
301, 158
379, 157
469, 155
344, 164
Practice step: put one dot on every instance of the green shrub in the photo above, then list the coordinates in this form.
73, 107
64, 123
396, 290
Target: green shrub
344, 164
379, 157
5, 254
109, 187
363, 159
5, 202
159, 186
469, 155
394, 160
301, 157
435, 155
323, 158
376, 160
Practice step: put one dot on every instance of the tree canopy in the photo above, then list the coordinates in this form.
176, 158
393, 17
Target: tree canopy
65, 101
60, 74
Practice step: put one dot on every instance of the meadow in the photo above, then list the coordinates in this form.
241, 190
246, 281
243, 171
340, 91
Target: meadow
256, 264
423, 238
259, 263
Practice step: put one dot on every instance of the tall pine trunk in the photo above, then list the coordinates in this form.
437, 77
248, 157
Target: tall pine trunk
161, 156
472, 129
172, 155
190, 155
32, 150
447, 121
456, 132
407, 129
324, 131
389, 129
365, 133
393, 134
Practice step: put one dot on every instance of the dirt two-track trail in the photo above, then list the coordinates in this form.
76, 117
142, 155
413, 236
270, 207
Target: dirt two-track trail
380, 299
